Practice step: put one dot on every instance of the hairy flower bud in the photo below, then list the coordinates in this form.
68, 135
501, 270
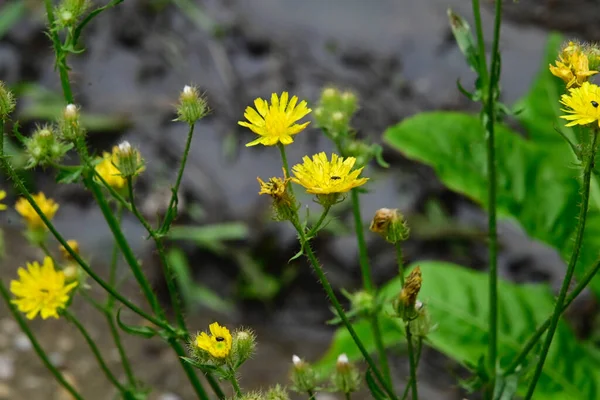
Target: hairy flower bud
405, 304
243, 346
44, 147
68, 12
128, 160
345, 378
69, 125
277, 392
192, 106
303, 376
7, 102
421, 325
390, 224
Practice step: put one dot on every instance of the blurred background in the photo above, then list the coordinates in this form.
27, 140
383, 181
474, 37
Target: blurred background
398, 56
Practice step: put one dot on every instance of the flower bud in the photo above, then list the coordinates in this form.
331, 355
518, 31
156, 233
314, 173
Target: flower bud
390, 224
69, 125
405, 304
421, 325
44, 147
243, 347
277, 392
192, 106
345, 378
7, 102
362, 303
304, 378
128, 160
348, 102
69, 12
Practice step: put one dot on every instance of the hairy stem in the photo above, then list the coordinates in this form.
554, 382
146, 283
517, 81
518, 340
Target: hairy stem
413, 363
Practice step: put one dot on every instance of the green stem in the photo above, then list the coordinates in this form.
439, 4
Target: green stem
114, 258
160, 248
189, 370
532, 341
61, 58
36, 345
558, 308
418, 357
400, 260
286, 166
313, 231
311, 395
235, 385
10, 172
109, 375
117, 339
413, 364
172, 210
214, 384
340, 311
128, 254
348, 396
483, 71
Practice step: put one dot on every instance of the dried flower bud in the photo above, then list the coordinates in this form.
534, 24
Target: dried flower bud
345, 378
128, 160
192, 106
44, 147
284, 202
405, 304
7, 102
69, 125
390, 224
303, 376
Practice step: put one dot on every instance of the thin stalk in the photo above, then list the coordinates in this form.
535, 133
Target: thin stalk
10, 172
36, 345
114, 258
418, 357
61, 60
311, 395
128, 254
175, 189
400, 261
189, 370
109, 375
286, 166
117, 339
483, 71
585, 196
214, 384
413, 364
340, 311
316, 227
532, 341
160, 248
348, 396
235, 385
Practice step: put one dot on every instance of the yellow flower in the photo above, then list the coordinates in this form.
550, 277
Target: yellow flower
2, 196
275, 123
73, 244
572, 66
321, 176
582, 105
109, 172
41, 289
218, 344
33, 220
275, 187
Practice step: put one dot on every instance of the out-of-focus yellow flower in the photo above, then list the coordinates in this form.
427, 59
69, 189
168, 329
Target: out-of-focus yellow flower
275, 123
321, 176
41, 290
2, 196
73, 244
218, 344
572, 66
582, 105
109, 172
33, 220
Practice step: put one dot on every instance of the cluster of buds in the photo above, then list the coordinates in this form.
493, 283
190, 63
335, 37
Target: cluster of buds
45, 147
69, 12
576, 63
334, 112
192, 106
390, 224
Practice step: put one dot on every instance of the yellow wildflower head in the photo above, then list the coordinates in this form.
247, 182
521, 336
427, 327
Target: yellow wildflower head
33, 220
572, 66
323, 177
582, 105
2, 196
109, 172
276, 122
218, 343
41, 290
284, 202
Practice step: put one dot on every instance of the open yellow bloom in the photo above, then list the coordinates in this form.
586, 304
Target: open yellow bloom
2, 196
218, 344
109, 172
41, 290
321, 176
582, 105
275, 123
572, 66
33, 220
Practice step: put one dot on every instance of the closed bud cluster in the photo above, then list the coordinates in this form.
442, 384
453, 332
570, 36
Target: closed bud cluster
345, 378
128, 160
243, 346
7, 102
44, 147
69, 12
69, 125
303, 376
390, 224
192, 106
335, 110
405, 304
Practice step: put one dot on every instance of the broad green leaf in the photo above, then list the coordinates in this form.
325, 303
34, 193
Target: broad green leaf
537, 188
457, 300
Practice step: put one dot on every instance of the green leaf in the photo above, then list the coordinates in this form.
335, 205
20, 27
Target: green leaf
144, 331
537, 187
210, 237
69, 175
